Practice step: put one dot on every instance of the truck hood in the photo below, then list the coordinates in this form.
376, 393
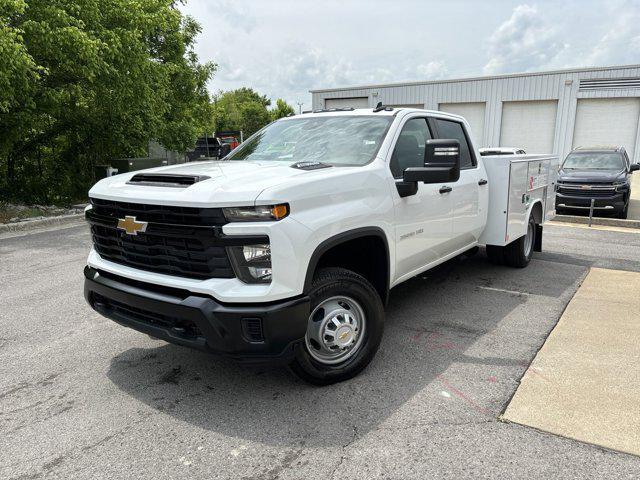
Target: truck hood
590, 176
234, 183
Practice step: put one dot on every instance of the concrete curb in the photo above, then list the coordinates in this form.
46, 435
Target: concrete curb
41, 222
609, 222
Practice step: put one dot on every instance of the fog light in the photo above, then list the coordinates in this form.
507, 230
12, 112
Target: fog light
254, 253
252, 263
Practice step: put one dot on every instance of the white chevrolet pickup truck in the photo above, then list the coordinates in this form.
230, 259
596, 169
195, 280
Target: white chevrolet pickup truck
286, 249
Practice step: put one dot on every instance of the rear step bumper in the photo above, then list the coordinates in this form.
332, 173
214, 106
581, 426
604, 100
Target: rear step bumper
251, 333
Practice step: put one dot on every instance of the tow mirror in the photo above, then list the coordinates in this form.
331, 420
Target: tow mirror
441, 163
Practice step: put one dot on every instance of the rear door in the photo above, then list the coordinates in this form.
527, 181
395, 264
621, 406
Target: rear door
468, 220
424, 221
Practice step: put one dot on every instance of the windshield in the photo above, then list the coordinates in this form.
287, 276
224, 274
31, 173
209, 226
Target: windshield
594, 161
334, 140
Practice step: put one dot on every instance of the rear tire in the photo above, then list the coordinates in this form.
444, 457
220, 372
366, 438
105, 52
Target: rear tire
518, 253
347, 300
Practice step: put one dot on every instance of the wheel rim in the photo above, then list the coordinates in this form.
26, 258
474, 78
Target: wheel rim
335, 330
528, 240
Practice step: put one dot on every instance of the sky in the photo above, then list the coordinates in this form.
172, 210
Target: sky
284, 48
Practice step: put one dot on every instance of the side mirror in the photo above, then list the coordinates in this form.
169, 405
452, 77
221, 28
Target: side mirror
633, 167
441, 163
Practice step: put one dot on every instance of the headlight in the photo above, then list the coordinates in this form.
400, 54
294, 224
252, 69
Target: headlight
260, 213
252, 263
621, 186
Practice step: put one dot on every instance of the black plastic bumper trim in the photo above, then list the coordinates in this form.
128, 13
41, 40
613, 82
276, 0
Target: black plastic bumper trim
218, 326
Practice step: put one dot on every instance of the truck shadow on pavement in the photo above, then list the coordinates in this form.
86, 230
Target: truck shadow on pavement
456, 344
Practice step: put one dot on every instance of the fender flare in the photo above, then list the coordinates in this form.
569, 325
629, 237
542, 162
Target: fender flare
343, 237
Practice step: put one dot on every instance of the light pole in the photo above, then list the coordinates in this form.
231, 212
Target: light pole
299, 107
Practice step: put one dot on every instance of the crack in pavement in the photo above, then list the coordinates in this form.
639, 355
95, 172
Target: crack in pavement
344, 456
70, 454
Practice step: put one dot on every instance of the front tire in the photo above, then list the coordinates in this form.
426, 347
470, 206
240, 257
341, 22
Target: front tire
625, 212
344, 330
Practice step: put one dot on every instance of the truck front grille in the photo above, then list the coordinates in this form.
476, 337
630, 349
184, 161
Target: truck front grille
178, 241
587, 191
159, 213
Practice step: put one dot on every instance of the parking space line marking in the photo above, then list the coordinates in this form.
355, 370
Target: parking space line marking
503, 290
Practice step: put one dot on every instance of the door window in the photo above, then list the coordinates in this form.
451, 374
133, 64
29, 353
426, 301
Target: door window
450, 130
410, 147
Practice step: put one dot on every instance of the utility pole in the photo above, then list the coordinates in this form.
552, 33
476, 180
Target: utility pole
299, 107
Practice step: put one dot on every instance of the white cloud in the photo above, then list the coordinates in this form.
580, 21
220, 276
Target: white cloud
524, 42
284, 48
434, 70
621, 43
233, 14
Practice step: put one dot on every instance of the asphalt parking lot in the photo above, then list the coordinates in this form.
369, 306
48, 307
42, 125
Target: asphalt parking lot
81, 397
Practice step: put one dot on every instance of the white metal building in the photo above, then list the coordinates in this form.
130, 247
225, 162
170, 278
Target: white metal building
546, 112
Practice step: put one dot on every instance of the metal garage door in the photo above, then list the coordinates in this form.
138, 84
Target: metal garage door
529, 125
473, 112
355, 102
607, 121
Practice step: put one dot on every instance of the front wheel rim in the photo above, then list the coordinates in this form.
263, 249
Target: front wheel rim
335, 330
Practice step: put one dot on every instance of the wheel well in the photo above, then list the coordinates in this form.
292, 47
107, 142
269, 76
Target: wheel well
536, 212
366, 255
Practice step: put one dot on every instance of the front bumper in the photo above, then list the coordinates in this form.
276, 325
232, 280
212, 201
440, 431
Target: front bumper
252, 333
613, 203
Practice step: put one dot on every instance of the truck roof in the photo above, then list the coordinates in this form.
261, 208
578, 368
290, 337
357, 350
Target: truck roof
392, 111
600, 148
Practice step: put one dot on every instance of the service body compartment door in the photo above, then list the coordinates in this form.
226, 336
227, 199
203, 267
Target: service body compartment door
516, 183
518, 195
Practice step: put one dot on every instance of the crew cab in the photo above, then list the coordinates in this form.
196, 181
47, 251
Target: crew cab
601, 175
285, 250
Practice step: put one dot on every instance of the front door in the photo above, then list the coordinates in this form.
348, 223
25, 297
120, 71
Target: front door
424, 221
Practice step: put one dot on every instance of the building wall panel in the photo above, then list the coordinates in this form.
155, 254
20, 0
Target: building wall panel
561, 86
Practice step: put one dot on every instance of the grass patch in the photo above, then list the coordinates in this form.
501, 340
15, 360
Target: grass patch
9, 211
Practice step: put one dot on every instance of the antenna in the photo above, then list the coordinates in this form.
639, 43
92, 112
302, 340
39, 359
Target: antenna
381, 107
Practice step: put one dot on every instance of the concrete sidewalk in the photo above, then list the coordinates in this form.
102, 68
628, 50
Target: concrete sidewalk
585, 381
634, 201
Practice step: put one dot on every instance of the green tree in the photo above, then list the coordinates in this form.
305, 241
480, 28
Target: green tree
282, 109
245, 109
241, 109
83, 81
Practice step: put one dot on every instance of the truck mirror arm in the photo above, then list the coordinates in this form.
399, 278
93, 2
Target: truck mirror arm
406, 189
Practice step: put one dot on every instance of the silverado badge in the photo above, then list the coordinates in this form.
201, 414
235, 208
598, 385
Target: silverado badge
131, 225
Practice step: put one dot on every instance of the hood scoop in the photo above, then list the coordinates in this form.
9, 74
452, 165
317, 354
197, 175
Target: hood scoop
165, 180
310, 165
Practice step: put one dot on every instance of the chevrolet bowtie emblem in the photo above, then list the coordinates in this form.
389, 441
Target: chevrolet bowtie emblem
131, 225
